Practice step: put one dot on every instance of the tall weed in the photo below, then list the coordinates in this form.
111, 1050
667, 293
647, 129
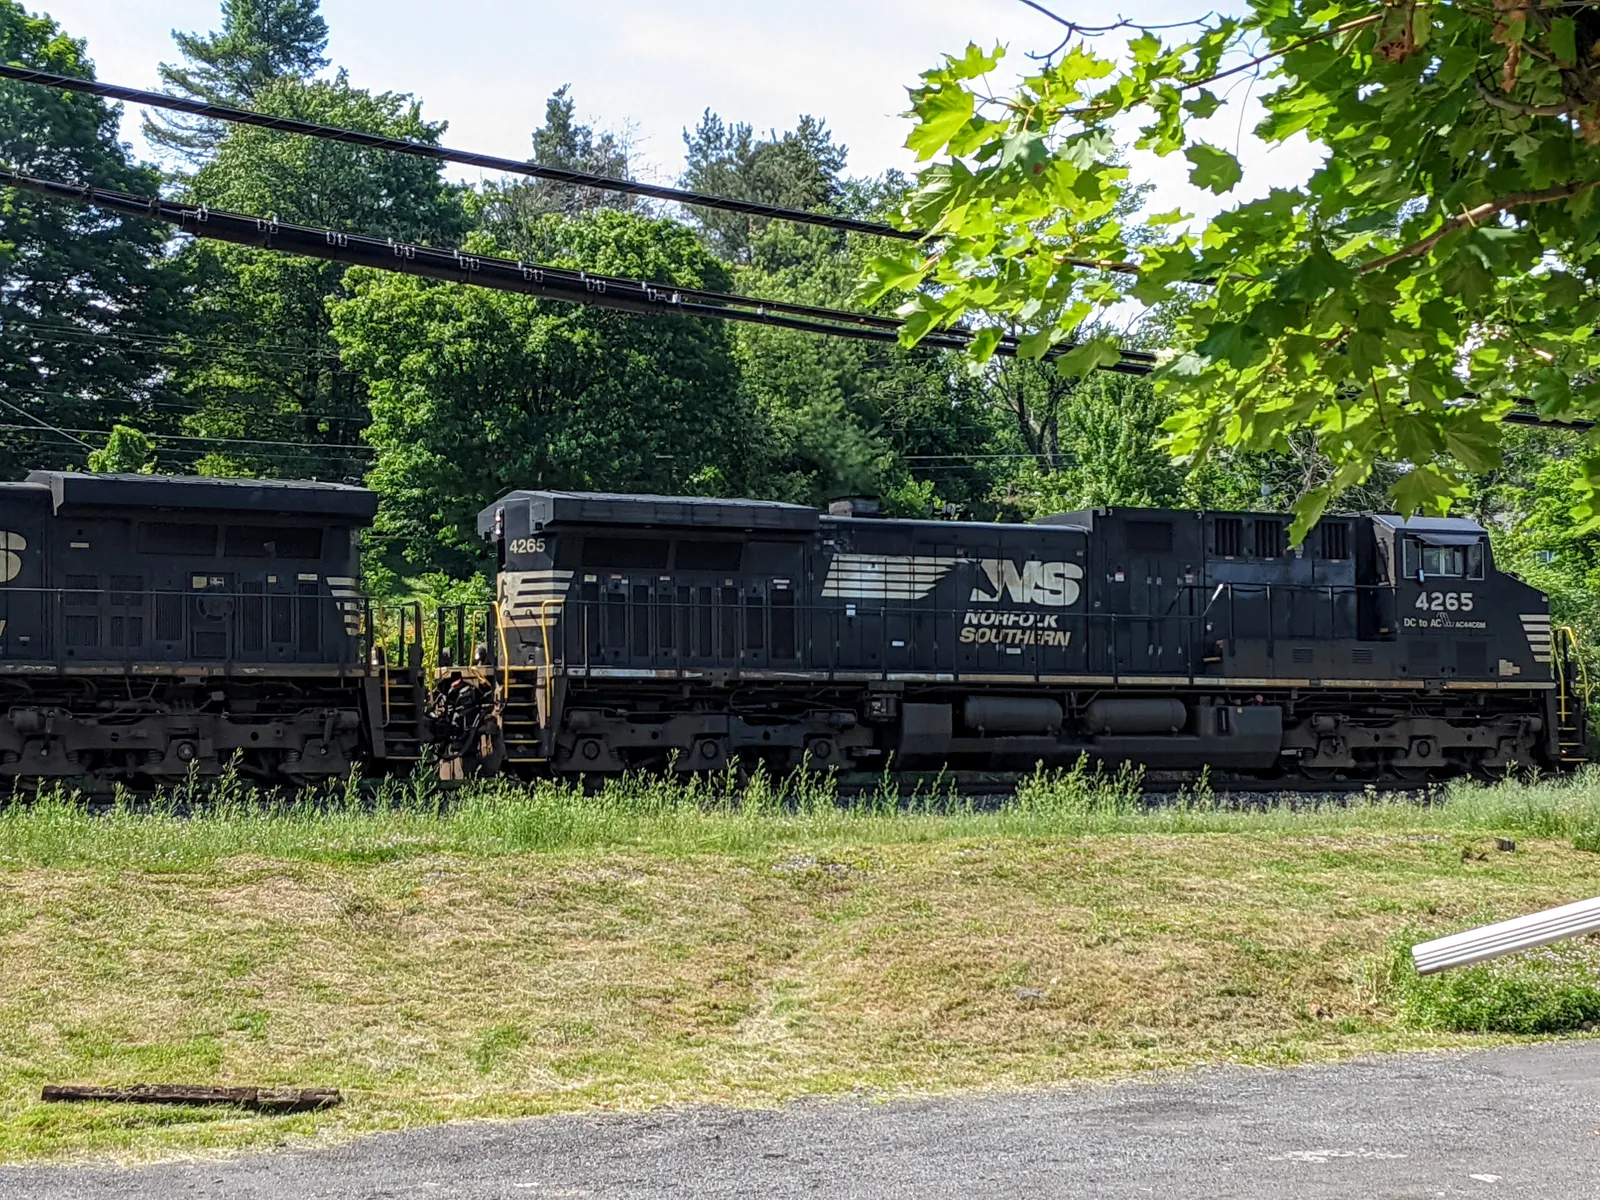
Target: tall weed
673, 812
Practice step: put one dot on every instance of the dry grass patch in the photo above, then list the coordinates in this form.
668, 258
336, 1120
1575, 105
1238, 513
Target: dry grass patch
700, 964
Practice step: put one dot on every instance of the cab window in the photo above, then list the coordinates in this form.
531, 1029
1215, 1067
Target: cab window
1448, 562
1445, 562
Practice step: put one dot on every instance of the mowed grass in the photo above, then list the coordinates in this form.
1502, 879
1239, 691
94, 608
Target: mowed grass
510, 951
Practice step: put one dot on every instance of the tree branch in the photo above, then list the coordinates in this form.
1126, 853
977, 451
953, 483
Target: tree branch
1122, 22
1099, 264
1475, 216
1522, 110
1292, 46
1093, 110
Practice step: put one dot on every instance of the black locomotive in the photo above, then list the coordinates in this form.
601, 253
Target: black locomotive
638, 631
152, 626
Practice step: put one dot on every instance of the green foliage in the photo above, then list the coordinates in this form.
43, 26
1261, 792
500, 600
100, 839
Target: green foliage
262, 366
1526, 504
80, 290
197, 821
797, 169
1440, 265
126, 452
844, 418
1090, 441
1081, 791
507, 210
1549, 990
260, 43
476, 392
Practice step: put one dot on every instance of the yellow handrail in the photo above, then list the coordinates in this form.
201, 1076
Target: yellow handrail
549, 667
1583, 672
505, 647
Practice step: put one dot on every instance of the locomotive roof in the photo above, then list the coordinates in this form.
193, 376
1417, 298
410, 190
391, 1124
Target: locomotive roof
1441, 531
72, 489
613, 508
608, 508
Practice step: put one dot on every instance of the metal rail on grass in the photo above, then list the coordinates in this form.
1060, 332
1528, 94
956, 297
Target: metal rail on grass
1507, 937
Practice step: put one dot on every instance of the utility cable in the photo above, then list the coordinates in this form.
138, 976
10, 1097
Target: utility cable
374, 141
504, 274
355, 137
45, 424
554, 283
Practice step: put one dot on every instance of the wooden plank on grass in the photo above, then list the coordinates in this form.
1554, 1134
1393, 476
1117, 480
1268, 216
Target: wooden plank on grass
278, 1100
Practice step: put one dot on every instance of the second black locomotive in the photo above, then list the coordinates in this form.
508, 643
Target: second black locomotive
638, 631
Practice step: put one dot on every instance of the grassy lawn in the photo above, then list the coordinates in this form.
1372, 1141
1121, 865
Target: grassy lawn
525, 951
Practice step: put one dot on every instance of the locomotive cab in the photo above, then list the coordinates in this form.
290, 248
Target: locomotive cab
1451, 616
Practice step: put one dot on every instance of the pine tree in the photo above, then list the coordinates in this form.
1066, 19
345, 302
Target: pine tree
798, 169
261, 42
509, 212
86, 297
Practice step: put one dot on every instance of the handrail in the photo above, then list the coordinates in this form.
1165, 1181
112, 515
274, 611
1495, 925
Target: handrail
1561, 670
549, 667
505, 646
1577, 653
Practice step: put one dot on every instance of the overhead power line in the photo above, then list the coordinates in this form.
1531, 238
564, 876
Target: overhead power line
555, 283
356, 137
552, 283
45, 425
491, 162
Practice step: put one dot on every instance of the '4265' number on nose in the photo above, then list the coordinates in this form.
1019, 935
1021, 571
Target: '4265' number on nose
1445, 602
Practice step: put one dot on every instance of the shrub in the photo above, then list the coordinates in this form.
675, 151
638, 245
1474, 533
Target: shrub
1555, 989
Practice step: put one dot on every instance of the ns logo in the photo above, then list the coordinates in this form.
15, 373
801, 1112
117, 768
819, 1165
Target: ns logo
1046, 584
11, 547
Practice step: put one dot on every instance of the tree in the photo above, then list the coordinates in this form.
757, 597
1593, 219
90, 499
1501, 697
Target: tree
845, 418
1439, 268
261, 42
261, 367
1090, 442
85, 297
798, 169
508, 210
476, 392
126, 452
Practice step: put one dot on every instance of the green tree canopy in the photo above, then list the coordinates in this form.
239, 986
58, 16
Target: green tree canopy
476, 392
848, 418
260, 43
797, 169
262, 369
126, 452
507, 210
1437, 269
85, 297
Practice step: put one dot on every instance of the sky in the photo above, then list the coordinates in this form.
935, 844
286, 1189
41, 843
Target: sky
653, 66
